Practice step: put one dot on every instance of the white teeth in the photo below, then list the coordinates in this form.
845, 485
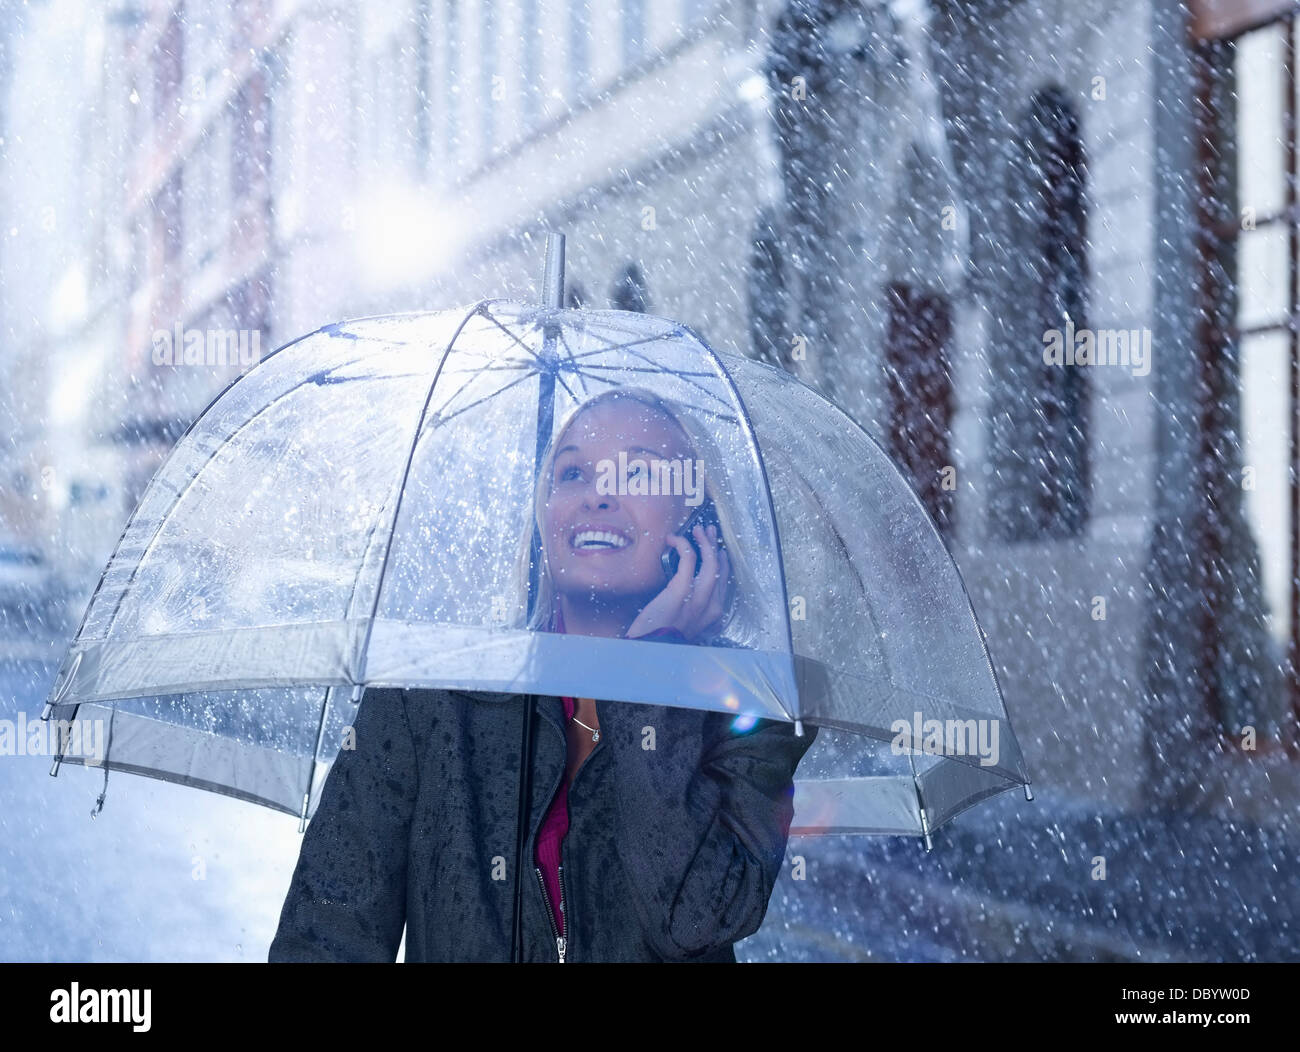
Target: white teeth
592, 539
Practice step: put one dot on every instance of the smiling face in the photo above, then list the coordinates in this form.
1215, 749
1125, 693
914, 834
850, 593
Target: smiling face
607, 546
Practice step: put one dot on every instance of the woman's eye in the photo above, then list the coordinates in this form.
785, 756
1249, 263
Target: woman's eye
570, 473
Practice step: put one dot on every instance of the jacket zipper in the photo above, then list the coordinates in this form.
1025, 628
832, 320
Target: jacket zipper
561, 942
555, 932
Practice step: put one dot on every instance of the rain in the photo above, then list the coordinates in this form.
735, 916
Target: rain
1043, 260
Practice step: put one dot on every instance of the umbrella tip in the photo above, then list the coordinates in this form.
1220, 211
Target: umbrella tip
553, 277
1029, 793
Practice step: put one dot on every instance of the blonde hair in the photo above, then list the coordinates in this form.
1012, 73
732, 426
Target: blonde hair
738, 624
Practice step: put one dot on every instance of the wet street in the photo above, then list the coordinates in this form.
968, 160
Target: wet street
170, 873
164, 873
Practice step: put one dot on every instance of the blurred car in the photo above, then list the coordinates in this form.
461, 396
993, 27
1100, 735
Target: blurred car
26, 591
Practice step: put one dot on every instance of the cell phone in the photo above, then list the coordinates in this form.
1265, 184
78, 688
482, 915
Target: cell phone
705, 515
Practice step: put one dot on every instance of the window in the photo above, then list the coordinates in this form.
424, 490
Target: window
169, 214
629, 291
424, 88
695, 10
251, 148
920, 394
207, 34
532, 72
248, 306
1039, 425
487, 43
634, 31
1249, 308
205, 204
451, 100
768, 331
194, 203
168, 58
140, 271
391, 118
579, 64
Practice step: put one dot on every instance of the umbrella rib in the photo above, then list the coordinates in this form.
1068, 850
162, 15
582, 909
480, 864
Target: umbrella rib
375, 339
337, 332
620, 346
510, 366
700, 387
491, 367
583, 375
825, 516
527, 350
585, 371
320, 737
650, 363
536, 359
577, 369
573, 358
724, 414
541, 362
647, 369
441, 418
757, 450
401, 492
559, 376
650, 366
189, 482
383, 566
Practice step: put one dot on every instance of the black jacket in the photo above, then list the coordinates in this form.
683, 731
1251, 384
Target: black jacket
671, 854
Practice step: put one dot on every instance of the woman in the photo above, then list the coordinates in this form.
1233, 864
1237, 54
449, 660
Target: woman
654, 833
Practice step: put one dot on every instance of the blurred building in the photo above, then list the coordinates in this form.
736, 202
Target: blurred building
897, 201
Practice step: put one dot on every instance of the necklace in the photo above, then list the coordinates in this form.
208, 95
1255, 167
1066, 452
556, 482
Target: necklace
595, 731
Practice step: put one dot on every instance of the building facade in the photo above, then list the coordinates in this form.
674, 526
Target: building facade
908, 204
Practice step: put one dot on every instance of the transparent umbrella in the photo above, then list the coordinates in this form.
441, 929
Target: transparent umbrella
358, 510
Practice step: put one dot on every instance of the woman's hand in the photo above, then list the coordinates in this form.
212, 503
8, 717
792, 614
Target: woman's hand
690, 604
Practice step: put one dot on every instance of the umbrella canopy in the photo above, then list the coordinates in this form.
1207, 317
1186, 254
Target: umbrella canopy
352, 513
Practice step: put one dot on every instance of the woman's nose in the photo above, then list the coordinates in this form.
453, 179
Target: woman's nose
598, 501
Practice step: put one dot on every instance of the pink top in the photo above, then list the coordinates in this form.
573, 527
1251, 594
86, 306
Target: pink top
555, 826
551, 835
